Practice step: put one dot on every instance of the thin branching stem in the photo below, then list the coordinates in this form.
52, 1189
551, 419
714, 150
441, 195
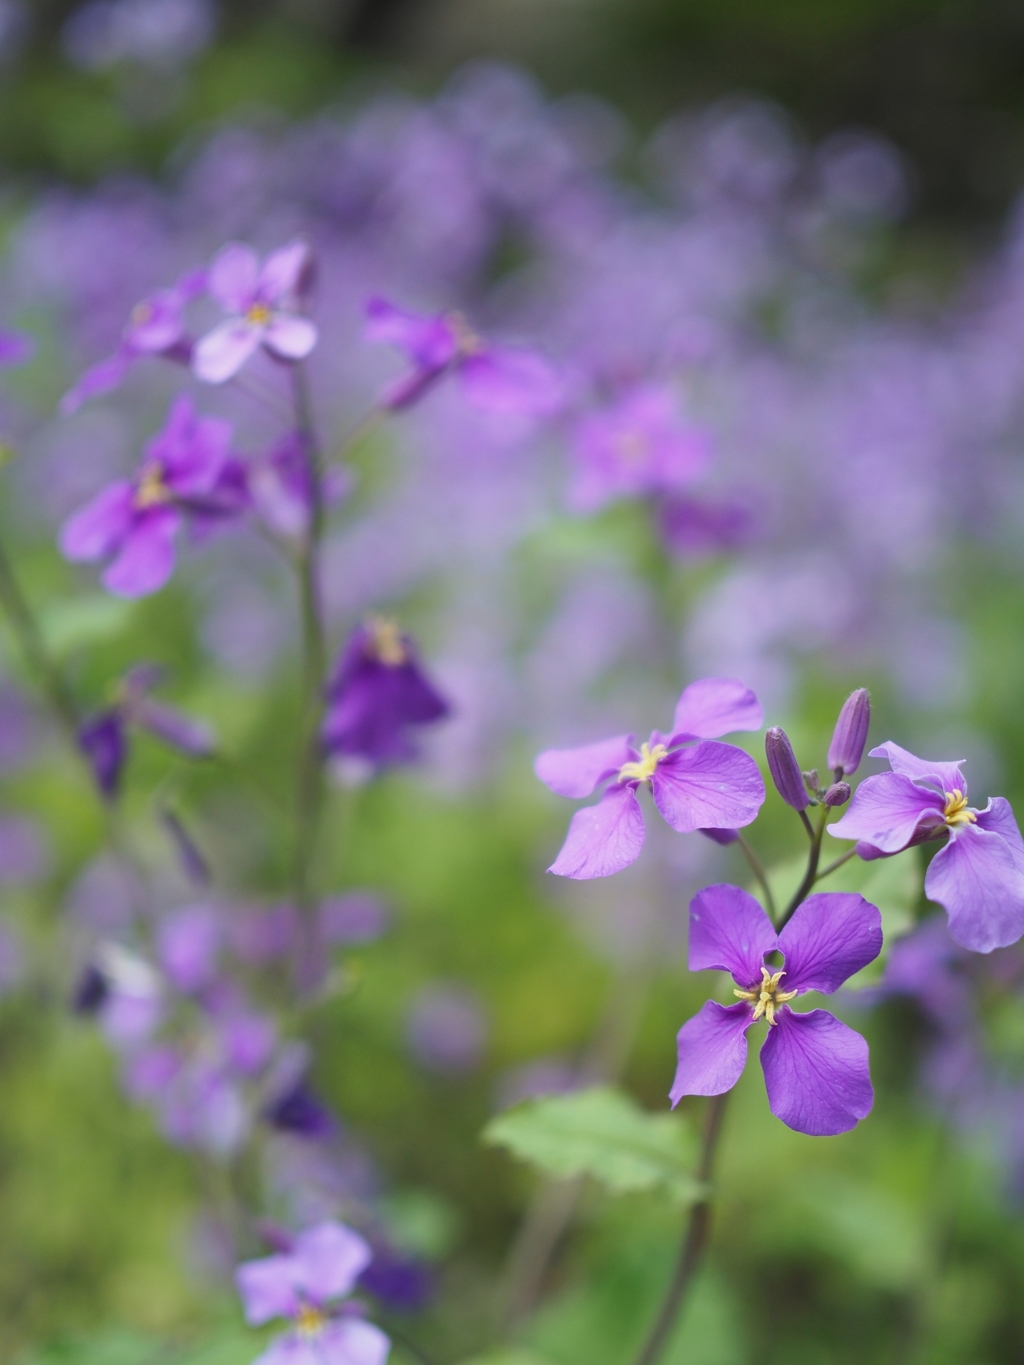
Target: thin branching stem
834, 866
757, 867
33, 647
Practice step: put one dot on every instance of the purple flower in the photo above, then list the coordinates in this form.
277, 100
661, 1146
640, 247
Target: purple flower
188, 945
15, 348
785, 770
696, 783
638, 445
495, 378
156, 326
280, 486
692, 528
851, 734
377, 691
304, 1284
262, 301
187, 472
978, 878
815, 1067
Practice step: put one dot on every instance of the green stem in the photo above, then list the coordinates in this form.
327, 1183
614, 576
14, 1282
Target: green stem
757, 868
33, 646
803, 890
695, 1239
807, 825
832, 867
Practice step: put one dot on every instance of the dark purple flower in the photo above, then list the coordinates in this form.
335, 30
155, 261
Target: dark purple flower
850, 735
299, 1111
978, 878
495, 378
156, 326
696, 783
262, 301
133, 523
815, 1067
400, 1283
304, 1284
784, 768
15, 348
377, 691
638, 445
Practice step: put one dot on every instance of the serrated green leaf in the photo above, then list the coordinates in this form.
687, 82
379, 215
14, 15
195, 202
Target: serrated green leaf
604, 1134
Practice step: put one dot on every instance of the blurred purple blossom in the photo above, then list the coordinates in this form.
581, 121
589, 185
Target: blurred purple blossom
447, 1028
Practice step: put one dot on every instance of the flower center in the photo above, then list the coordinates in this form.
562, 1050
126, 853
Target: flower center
955, 811
141, 313
258, 314
310, 1321
642, 769
767, 997
467, 341
386, 643
152, 490
631, 446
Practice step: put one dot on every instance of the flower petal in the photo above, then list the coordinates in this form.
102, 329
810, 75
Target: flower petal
729, 932
708, 786
816, 1073
576, 772
978, 879
103, 377
221, 353
831, 935
885, 812
712, 1050
999, 818
267, 1288
291, 1349
712, 707
290, 336
232, 277
329, 1258
190, 736
146, 558
946, 777
430, 341
502, 380
352, 1341
281, 272
602, 839
97, 529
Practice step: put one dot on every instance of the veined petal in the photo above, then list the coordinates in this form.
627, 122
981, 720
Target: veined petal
281, 272
290, 336
946, 777
978, 880
831, 935
708, 786
232, 276
576, 772
729, 932
712, 1050
267, 1288
712, 707
999, 818
221, 353
98, 528
816, 1073
353, 1341
885, 811
146, 558
329, 1258
602, 839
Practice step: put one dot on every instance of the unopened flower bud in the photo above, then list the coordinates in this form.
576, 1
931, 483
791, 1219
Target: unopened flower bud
784, 769
838, 794
851, 733
811, 781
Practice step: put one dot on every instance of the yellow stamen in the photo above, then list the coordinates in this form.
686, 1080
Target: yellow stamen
955, 811
386, 641
466, 340
643, 767
152, 490
259, 314
310, 1321
767, 997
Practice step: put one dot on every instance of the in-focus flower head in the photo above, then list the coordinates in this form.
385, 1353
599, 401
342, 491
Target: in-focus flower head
377, 692
304, 1284
696, 782
263, 302
187, 474
978, 877
494, 378
638, 445
815, 1067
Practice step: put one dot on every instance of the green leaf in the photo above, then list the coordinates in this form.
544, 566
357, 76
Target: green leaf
601, 1133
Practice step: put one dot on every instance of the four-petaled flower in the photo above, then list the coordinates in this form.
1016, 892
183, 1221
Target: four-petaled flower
496, 378
978, 877
187, 472
696, 783
263, 301
303, 1284
815, 1067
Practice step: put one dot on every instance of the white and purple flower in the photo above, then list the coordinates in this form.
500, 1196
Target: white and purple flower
815, 1067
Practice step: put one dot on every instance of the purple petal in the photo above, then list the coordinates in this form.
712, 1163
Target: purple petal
103, 377
220, 354
999, 818
15, 348
708, 786
290, 336
602, 839
102, 739
155, 323
816, 1073
190, 736
351, 1341
281, 272
712, 1050
978, 878
429, 341
329, 1258
831, 935
500, 380
885, 812
576, 772
146, 558
291, 1349
97, 529
233, 276
712, 707
946, 777
267, 1289
729, 932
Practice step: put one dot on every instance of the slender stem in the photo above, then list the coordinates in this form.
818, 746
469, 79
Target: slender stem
695, 1239
33, 646
832, 867
757, 868
803, 890
807, 825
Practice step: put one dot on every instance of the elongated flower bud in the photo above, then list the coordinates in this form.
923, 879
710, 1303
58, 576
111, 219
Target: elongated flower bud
838, 794
850, 735
784, 769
